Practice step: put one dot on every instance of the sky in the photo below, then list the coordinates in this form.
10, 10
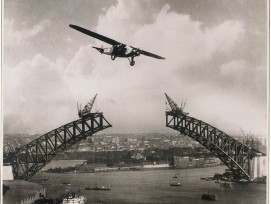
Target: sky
216, 57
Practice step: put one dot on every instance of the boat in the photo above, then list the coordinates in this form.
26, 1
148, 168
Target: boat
209, 196
74, 198
99, 188
67, 184
175, 183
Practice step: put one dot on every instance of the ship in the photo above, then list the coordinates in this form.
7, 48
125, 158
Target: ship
209, 196
99, 188
74, 198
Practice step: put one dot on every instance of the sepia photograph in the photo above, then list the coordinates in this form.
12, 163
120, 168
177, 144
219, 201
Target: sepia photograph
135, 101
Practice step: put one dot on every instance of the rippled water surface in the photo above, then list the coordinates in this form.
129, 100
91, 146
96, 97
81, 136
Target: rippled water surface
152, 186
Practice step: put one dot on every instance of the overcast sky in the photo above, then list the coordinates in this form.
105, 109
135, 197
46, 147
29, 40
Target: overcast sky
216, 57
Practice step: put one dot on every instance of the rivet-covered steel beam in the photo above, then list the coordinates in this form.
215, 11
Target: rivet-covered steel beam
30, 158
231, 152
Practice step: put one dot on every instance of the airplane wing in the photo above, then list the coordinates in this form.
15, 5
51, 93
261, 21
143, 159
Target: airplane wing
148, 53
151, 54
95, 35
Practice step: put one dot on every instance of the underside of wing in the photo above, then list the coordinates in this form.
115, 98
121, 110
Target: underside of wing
151, 54
95, 35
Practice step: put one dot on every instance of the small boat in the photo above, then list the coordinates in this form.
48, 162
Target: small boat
209, 196
175, 183
74, 198
67, 184
99, 188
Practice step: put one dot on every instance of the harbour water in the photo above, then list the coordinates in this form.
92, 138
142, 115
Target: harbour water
152, 186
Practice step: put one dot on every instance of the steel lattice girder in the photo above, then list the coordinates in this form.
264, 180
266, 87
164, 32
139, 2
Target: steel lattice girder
231, 152
32, 157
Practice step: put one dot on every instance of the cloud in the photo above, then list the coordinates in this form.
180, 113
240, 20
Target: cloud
137, 93
15, 37
33, 91
236, 67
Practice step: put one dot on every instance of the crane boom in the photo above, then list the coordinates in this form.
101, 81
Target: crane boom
174, 107
87, 108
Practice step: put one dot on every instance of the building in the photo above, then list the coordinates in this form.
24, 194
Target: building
116, 140
258, 167
181, 162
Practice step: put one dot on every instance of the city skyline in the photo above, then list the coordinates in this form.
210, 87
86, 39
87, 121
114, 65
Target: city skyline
216, 58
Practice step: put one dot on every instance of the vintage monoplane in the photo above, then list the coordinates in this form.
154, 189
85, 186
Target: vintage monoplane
118, 49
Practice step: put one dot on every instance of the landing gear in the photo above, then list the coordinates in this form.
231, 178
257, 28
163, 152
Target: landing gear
132, 62
113, 57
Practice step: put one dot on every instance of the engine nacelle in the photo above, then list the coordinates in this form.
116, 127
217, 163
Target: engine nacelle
136, 52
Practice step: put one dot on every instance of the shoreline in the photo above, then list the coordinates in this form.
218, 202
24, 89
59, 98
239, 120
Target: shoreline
132, 168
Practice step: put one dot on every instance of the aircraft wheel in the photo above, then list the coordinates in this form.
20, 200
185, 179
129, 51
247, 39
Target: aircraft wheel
132, 63
113, 57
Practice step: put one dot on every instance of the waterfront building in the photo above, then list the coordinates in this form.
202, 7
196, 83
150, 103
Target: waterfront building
181, 162
258, 167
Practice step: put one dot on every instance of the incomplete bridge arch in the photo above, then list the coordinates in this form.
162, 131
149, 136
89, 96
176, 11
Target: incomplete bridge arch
235, 155
30, 158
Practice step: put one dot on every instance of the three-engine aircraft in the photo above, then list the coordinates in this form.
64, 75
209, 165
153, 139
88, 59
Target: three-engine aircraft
118, 49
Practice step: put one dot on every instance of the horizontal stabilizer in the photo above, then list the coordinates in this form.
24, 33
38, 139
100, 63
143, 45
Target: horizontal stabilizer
101, 50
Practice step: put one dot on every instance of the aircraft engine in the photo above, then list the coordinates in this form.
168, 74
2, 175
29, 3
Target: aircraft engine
136, 52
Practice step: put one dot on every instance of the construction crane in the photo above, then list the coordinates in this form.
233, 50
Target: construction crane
87, 108
175, 108
250, 140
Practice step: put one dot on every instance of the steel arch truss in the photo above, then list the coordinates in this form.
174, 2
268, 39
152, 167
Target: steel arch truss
231, 152
32, 157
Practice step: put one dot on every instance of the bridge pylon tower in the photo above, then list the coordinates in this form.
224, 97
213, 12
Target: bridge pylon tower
234, 154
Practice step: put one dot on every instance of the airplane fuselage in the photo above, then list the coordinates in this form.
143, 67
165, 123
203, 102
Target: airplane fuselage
117, 51
120, 51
